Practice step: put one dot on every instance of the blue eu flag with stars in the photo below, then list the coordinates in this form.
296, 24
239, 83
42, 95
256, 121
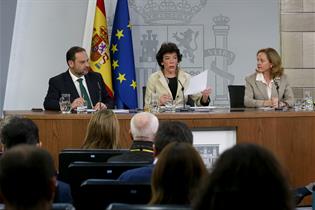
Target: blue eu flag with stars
122, 59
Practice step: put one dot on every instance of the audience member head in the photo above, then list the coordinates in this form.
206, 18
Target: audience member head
247, 177
171, 131
274, 59
177, 174
27, 178
18, 130
143, 126
167, 47
102, 131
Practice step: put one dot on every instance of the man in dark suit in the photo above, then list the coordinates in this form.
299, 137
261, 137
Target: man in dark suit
69, 82
143, 127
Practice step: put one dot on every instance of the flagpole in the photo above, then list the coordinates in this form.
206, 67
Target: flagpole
88, 29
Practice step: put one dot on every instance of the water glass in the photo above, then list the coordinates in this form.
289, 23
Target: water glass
298, 105
170, 106
154, 105
65, 104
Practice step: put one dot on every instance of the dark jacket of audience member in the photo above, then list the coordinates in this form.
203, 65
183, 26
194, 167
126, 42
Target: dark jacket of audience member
27, 178
177, 174
246, 177
17, 130
170, 131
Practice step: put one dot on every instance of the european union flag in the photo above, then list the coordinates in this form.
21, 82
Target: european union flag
123, 66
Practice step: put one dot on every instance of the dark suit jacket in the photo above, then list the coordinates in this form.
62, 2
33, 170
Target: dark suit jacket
63, 83
63, 193
137, 175
140, 151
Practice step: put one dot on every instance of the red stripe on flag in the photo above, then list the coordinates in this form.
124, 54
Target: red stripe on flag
101, 6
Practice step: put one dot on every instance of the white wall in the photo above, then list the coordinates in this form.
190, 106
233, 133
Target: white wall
43, 32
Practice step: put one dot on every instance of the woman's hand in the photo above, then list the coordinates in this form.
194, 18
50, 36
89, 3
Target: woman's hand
205, 94
164, 98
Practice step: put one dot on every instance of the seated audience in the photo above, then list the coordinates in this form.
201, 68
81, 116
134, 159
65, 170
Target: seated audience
17, 130
177, 174
246, 177
102, 131
170, 131
143, 127
27, 178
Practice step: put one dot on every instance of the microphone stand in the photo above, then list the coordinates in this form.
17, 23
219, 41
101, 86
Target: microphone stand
277, 88
184, 109
99, 95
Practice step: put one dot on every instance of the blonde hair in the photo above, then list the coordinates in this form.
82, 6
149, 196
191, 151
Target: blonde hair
102, 131
275, 59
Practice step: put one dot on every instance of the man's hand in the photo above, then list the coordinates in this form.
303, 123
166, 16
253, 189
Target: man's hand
99, 106
77, 102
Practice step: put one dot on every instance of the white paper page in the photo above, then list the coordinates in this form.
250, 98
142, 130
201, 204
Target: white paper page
197, 83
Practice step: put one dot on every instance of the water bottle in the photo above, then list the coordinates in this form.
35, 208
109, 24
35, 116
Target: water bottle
154, 105
309, 104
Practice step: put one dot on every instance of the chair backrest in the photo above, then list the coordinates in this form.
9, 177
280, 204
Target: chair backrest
122, 206
78, 172
67, 156
236, 93
62, 206
99, 193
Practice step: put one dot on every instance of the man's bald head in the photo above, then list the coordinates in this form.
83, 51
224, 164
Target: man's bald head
143, 126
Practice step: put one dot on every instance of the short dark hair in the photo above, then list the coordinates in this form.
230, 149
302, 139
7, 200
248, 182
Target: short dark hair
70, 55
19, 130
26, 176
172, 131
167, 47
247, 176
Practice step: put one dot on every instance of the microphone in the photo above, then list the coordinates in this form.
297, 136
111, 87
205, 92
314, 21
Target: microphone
276, 81
184, 109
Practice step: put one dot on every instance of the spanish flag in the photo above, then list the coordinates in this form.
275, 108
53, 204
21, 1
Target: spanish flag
100, 57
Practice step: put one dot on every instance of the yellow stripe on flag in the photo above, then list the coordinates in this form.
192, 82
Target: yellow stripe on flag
100, 57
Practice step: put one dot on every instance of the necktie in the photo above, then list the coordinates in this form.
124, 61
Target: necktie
84, 94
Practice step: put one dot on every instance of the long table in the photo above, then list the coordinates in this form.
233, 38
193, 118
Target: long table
289, 135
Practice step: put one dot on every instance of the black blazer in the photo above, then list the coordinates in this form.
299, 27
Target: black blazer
63, 83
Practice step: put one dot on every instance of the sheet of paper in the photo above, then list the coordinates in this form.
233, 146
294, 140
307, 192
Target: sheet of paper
197, 83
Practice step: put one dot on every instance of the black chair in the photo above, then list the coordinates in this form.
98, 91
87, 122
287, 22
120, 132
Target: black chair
122, 206
68, 156
236, 93
97, 194
78, 172
55, 206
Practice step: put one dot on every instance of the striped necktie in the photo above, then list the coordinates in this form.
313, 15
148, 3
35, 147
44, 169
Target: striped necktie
84, 94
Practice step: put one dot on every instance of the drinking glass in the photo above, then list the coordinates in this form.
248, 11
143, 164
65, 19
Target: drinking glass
170, 106
65, 104
154, 105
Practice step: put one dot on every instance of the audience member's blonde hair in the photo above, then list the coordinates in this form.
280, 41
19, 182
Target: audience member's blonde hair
102, 131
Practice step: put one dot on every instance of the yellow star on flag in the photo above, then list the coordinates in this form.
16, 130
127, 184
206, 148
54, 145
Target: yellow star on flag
121, 77
129, 25
114, 48
119, 34
115, 64
134, 84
